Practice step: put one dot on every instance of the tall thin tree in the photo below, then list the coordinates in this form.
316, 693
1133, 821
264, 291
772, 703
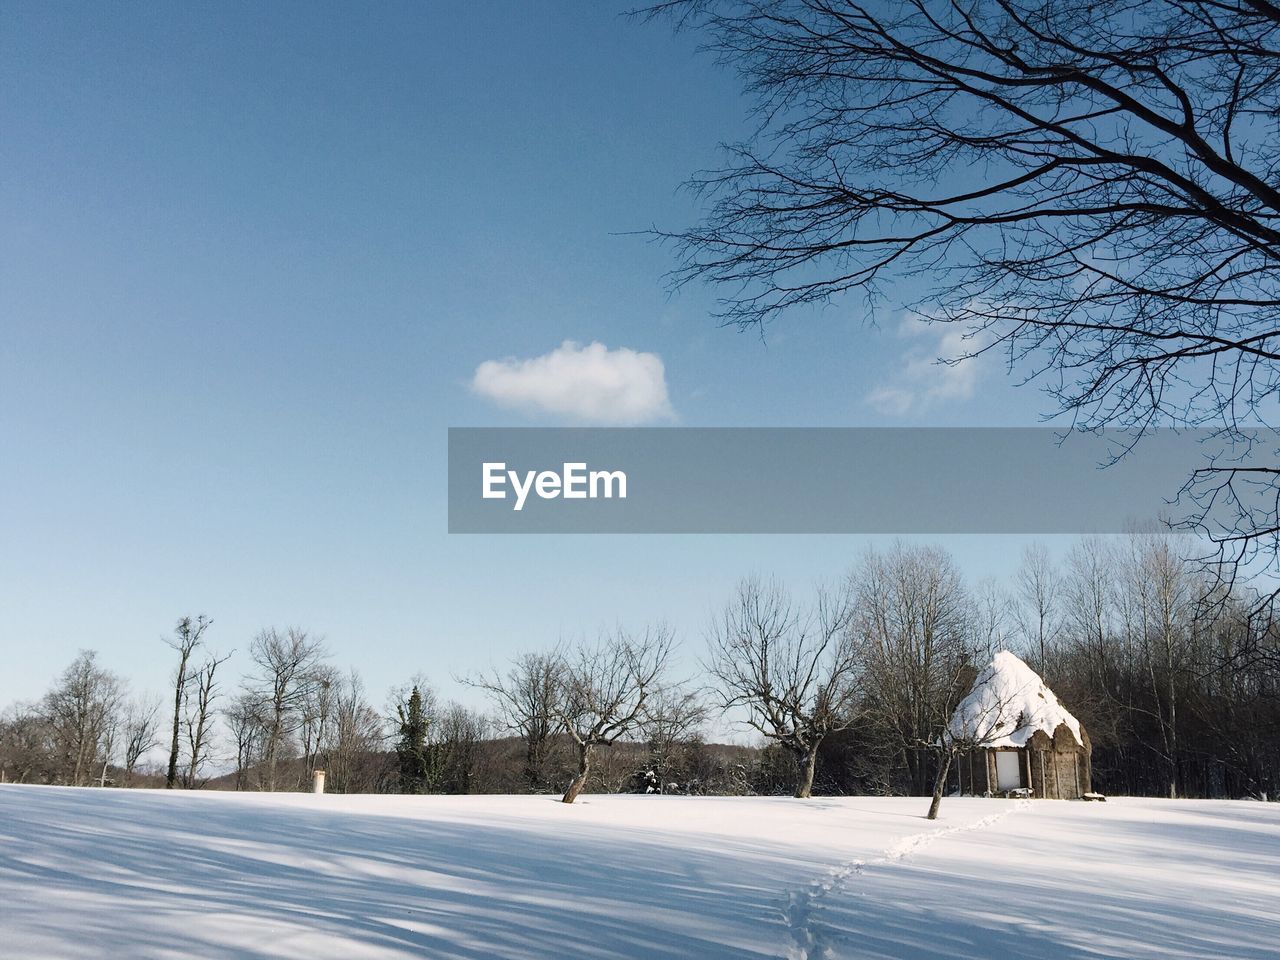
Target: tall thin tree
187, 636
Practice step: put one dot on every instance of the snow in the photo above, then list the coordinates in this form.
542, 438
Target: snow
1007, 705
149, 874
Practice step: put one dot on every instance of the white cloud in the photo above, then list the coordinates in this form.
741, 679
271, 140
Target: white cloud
921, 382
590, 384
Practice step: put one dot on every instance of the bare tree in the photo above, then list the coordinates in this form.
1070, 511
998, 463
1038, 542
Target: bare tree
1091, 188
317, 709
1090, 598
110, 740
602, 691
82, 709
990, 610
992, 719
187, 636
357, 733
913, 621
27, 750
198, 716
1165, 595
140, 729
673, 719
794, 671
246, 719
457, 737
287, 663
1038, 583
525, 698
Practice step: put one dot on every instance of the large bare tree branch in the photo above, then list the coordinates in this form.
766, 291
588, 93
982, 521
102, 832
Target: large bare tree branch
1091, 189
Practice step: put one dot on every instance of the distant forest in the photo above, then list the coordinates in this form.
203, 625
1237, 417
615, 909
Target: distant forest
1175, 675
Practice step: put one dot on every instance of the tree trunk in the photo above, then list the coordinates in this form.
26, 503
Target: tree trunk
1173, 735
274, 742
79, 764
197, 749
580, 781
269, 780
939, 785
533, 763
804, 787
179, 687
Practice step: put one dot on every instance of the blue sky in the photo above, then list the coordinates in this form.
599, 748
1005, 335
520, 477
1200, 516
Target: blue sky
251, 257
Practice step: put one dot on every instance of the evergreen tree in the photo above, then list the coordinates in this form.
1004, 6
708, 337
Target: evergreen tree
411, 749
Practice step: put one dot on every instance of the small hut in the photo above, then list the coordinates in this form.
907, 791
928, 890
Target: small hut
1014, 738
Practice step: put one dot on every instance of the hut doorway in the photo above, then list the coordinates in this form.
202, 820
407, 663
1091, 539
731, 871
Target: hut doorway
1008, 770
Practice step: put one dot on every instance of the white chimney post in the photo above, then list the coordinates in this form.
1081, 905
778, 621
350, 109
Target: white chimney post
317, 781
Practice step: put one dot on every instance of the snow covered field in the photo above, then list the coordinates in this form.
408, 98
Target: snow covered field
142, 874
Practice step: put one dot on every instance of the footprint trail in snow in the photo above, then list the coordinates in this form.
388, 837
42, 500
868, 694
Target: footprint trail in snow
810, 939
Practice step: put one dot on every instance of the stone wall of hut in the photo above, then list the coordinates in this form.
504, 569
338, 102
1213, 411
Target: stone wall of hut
1056, 767
1059, 767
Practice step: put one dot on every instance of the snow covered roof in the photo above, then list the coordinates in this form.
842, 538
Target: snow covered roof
1007, 704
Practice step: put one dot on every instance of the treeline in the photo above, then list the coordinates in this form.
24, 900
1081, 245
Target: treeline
1175, 676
